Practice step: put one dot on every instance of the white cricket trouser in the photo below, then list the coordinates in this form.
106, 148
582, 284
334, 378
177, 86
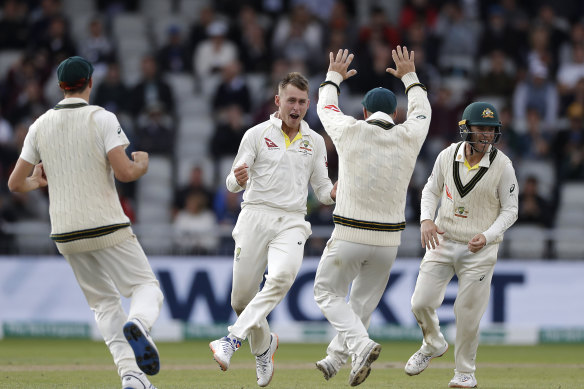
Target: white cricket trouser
367, 267
263, 238
105, 274
474, 272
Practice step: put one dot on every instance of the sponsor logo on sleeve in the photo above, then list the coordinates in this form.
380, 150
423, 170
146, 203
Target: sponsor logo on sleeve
332, 107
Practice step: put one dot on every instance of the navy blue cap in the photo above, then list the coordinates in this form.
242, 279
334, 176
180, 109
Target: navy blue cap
380, 100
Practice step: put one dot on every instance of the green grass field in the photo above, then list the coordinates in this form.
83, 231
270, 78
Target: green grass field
30, 363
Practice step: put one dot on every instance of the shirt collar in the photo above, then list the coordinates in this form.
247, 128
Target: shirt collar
484, 162
381, 116
73, 100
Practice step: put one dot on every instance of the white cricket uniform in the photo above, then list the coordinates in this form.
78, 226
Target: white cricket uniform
482, 200
87, 221
271, 229
376, 162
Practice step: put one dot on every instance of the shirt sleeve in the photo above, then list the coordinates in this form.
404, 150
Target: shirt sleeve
419, 110
508, 190
432, 190
246, 153
29, 151
110, 131
333, 120
319, 179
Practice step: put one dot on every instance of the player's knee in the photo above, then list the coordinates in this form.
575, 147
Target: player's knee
238, 306
419, 306
280, 283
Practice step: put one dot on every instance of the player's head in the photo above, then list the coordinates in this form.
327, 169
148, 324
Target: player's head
480, 126
292, 99
379, 100
74, 74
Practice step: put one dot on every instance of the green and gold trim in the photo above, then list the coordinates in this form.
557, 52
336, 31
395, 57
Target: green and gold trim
89, 233
365, 225
416, 84
463, 190
381, 123
69, 106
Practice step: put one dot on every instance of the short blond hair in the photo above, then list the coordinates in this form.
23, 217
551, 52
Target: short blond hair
296, 79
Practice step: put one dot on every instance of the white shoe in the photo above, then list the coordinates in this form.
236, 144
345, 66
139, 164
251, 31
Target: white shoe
420, 361
265, 362
463, 380
144, 348
328, 367
136, 380
362, 363
223, 350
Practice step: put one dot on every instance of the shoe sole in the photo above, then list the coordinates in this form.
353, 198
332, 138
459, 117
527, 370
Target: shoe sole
437, 356
145, 352
222, 365
273, 364
364, 372
460, 386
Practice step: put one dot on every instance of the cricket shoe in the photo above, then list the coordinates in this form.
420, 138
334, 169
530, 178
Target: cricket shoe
223, 350
463, 380
265, 362
328, 367
362, 363
144, 348
420, 361
136, 380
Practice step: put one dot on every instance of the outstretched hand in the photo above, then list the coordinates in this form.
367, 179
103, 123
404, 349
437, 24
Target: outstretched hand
404, 62
341, 63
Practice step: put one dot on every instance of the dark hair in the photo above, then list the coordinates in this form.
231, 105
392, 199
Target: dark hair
296, 79
78, 87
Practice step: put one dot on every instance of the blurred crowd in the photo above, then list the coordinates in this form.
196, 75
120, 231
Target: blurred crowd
219, 61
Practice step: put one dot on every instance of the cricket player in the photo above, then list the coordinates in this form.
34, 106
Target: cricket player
376, 161
76, 149
275, 162
476, 186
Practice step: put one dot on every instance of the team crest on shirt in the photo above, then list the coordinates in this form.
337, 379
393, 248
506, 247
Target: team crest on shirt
271, 145
305, 147
461, 212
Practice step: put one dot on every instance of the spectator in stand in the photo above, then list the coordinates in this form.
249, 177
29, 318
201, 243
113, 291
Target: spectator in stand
418, 11
535, 142
198, 31
497, 80
98, 48
253, 45
195, 226
538, 92
298, 37
229, 131
196, 183
13, 25
576, 38
112, 94
213, 53
533, 208
568, 146
151, 90
40, 18
570, 72
557, 26
155, 131
57, 42
30, 105
232, 90
420, 36
174, 56
500, 36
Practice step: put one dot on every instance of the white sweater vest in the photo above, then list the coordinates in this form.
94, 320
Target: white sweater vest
470, 208
85, 210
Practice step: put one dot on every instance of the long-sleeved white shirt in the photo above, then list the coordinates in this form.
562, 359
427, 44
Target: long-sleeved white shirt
279, 176
376, 162
488, 203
